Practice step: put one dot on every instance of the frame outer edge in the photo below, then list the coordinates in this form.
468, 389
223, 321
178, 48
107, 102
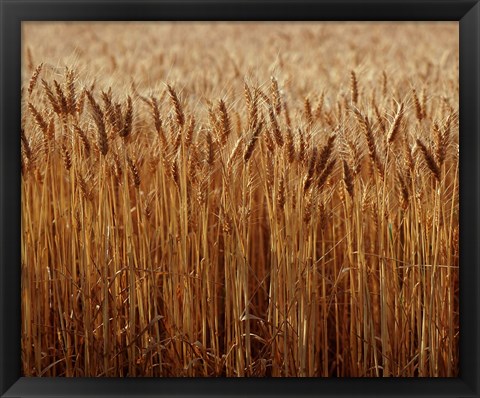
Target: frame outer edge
3, 384
10, 320
470, 185
476, 10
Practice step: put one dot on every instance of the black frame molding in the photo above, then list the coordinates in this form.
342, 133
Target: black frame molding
13, 12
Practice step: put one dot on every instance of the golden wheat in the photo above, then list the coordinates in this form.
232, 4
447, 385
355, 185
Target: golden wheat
284, 208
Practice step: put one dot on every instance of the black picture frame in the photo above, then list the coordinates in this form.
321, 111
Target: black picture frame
13, 12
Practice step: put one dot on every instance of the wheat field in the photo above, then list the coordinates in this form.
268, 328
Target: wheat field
240, 199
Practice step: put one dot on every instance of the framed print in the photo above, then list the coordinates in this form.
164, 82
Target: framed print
238, 198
